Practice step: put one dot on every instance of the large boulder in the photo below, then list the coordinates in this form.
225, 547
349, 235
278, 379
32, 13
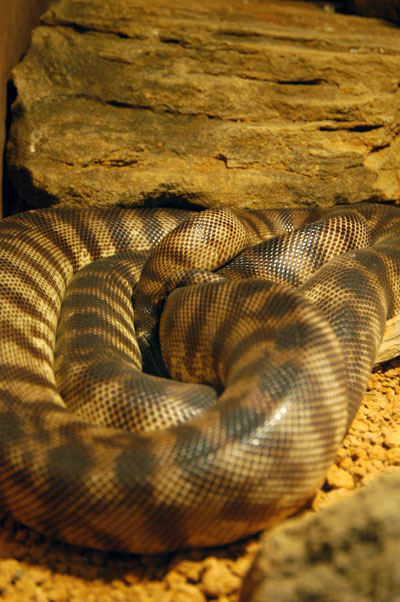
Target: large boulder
349, 552
221, 102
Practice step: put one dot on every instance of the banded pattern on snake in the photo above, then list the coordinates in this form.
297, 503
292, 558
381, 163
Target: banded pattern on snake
273, 317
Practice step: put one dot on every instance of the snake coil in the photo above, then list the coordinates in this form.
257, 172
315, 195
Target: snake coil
272, 318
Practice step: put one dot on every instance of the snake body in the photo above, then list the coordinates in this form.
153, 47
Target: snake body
273, 318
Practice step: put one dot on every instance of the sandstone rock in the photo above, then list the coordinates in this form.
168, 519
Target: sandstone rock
339, 478
222, 102
218, 579
349, 552
390, 346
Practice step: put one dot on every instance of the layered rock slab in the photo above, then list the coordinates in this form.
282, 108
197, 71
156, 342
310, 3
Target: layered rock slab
214, 103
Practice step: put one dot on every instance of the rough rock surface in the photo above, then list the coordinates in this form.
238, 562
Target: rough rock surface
220, 102
348, 553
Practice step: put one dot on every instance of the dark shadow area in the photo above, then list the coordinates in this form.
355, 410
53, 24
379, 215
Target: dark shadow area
11, 203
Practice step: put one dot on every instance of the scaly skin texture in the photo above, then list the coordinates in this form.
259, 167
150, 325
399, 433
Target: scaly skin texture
275, 339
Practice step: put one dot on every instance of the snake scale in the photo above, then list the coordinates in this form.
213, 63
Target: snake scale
272, 318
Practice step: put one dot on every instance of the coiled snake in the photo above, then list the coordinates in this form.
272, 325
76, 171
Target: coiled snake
276, 338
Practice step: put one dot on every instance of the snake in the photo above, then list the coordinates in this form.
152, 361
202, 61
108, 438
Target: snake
180, 378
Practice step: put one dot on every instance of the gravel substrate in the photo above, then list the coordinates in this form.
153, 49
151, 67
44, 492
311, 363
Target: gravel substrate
33, 568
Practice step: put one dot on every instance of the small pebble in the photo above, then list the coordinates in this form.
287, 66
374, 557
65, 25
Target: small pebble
392, 439
337, 477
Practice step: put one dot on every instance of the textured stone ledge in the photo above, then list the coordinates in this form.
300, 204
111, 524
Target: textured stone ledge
247, 104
